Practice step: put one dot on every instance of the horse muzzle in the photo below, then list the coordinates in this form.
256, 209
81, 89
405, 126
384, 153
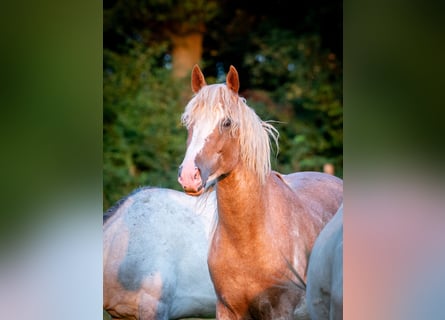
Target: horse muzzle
190, 179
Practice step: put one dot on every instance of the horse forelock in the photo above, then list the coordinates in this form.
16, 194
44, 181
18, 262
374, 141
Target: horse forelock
207, 105
216, 102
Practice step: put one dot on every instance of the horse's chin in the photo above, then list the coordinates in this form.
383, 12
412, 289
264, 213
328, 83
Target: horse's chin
194, 193
205, 187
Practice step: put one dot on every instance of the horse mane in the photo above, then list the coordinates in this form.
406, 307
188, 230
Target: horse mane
216, 102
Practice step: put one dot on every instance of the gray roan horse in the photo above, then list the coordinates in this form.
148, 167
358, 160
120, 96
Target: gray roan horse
155, 244
324, 292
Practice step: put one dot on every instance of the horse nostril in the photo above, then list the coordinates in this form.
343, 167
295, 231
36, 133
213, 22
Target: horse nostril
197, 174
179, 171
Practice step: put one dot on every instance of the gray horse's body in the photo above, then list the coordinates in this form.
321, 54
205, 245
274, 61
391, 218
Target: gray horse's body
324, 292
155, 244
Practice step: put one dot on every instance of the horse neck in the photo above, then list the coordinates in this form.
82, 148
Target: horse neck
241, 201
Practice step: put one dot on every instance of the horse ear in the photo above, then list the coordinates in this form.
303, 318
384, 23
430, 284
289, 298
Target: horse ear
232, 79
198, 80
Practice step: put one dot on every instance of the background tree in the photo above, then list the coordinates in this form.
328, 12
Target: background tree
290, 70
181, 23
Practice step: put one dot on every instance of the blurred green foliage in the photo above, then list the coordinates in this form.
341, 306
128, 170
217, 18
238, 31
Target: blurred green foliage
290, 72
304, 89
142, 134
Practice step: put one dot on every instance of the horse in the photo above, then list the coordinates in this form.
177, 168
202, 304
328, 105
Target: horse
267, 221
324, 291
155, 244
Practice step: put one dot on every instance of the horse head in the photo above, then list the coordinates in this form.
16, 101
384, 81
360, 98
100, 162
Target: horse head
212, 143
223, 132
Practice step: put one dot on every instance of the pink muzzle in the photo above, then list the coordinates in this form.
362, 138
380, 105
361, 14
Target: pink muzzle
190, 179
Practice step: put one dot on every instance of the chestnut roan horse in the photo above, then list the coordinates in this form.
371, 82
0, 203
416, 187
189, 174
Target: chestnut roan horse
267, 222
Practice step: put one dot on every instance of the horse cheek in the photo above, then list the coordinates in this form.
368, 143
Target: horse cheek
206, 160
230, 156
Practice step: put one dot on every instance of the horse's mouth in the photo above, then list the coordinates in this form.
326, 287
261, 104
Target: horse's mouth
197, 183
205, 186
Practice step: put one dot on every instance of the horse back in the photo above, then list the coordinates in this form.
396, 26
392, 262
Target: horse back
320, 193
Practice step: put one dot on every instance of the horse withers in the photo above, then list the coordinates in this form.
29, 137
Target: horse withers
267, 222
155, 244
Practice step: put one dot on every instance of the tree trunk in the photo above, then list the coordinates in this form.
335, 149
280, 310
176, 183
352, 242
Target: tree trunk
187, 51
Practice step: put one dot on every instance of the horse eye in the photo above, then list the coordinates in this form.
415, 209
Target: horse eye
227, 123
